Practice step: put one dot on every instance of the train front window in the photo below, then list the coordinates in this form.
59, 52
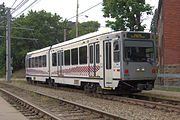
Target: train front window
139, 51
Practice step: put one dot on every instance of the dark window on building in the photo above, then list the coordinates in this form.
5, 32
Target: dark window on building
97, 53
54, 59
74, 56
108, 55
44, 61
67, 57
116, 51
83, 55
91, 56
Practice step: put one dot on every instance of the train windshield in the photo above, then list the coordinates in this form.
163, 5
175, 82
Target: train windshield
138, 51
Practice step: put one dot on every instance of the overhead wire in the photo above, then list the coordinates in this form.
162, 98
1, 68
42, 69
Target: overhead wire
14, 3
19, 6
86, 10
26, 8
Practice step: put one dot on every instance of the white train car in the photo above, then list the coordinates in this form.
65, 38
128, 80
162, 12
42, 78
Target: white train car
96, 61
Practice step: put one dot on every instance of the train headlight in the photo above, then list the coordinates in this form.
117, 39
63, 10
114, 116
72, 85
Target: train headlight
143, 69
137, 69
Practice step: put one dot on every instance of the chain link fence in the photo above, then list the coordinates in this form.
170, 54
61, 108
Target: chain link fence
168, 80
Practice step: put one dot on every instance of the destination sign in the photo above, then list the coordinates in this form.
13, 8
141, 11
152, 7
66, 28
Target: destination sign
138, 35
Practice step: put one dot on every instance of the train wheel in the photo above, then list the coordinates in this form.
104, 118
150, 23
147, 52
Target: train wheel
92, 87
51, 82
86, 88
99, 89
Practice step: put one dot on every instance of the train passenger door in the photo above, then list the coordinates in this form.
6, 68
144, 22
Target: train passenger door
107, 63
93, 60
60, 62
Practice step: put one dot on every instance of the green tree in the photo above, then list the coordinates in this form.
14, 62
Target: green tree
48, 29
127, 14
2, 39
84, 28
153, 27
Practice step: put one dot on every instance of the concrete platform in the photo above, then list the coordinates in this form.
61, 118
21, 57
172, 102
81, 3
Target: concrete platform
7, 112
164, 93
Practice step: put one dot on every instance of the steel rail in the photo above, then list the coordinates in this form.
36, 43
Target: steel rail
165, 107
86, 108
105, 114
173, 106
22, 101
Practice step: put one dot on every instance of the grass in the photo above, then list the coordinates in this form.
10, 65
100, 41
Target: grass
169, 89
19, 74
19, 81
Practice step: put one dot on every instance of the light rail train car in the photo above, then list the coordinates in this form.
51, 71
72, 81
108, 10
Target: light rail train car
117, 61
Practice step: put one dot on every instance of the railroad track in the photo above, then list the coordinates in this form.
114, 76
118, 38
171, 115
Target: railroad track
155, 98
55, 108
145, 103
29, 110
137, 99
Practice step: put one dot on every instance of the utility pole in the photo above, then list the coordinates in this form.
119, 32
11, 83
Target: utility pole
77, 18
64, 35
8, 46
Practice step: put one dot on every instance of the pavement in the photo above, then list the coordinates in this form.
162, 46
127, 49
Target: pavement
7, 112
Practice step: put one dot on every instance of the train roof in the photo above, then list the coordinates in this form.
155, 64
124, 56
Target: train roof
90, 35
40, 50
87, 36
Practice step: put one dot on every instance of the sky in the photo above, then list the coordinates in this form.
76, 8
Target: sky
67, 9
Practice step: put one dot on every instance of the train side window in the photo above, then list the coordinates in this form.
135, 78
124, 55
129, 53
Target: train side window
54, 59
40, 61
83, 55
67, 57
44, 60
116, 51
74, 56
36, 62
97, 53
91, 57
59, 59
62, 58
32, 62
108, 55
29, 62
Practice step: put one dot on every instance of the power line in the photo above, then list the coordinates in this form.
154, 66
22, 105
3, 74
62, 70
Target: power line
24, 38
26, 8
23, 28
17, 6
14, 3
18, 28
20, 5
85, 10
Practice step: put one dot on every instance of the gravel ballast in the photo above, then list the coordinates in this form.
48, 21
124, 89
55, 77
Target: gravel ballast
125, 110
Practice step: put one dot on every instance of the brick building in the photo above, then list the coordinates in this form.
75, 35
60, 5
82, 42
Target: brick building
169, 36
